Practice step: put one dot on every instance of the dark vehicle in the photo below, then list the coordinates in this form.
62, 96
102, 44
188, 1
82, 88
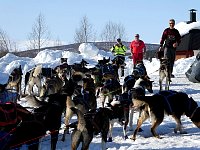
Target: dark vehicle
193, 73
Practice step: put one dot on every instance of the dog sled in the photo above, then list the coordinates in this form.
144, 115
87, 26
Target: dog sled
7, 95
8, 113
8, 100
193, 73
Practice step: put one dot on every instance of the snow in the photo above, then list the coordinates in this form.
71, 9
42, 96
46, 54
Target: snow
170, 140
184, 28
88, 50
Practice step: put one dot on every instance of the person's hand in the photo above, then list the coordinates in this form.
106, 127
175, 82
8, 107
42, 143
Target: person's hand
175, 45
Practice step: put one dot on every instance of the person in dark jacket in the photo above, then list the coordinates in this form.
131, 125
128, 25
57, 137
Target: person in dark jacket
171, 38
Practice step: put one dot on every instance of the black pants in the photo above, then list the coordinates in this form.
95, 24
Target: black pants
120, 59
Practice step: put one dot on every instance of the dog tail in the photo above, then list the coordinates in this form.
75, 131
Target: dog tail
81, 120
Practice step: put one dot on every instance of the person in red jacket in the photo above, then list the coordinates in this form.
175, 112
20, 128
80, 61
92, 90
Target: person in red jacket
138, 49
169, 41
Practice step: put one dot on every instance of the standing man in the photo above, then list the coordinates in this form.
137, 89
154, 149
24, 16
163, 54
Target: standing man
169, 41
138, 49
119, 51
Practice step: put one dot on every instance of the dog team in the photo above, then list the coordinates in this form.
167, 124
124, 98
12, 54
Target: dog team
82, 88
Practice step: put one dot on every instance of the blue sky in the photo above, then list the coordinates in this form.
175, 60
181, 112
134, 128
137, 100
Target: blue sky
148, 18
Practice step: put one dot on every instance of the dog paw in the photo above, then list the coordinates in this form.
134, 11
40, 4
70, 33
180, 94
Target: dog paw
158, 137
175, 130
109, 139
126, 137
133, 138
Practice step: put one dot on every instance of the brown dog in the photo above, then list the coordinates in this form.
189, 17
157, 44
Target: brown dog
51, 86
15, 79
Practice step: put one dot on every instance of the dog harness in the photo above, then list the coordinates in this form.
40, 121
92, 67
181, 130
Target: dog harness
168, 94
190, 108
194, 112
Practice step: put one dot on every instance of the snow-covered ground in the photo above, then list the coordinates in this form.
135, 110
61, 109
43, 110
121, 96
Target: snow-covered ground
170, 140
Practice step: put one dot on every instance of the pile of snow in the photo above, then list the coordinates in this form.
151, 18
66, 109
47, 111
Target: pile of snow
47, 56
88, 50
184, 28
72, 57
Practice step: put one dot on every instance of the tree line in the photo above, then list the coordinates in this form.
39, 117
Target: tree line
85, 32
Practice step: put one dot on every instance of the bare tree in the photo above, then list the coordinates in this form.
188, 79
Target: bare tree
112, 31
85, 32
40, 34
58, 42
5, 42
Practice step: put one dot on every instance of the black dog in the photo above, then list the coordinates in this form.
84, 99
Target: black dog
170, 102
15, 79
45, 118
129, 82
110, 89
139, 70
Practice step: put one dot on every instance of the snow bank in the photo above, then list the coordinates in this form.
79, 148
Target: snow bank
88, 50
